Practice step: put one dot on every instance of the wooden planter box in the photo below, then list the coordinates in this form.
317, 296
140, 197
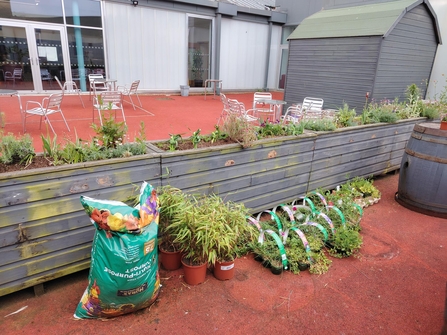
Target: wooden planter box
44, 230
268, 173
45, 233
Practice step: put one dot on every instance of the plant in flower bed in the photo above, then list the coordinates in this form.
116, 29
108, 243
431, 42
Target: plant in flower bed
19, 154
206, 228
16, 150
321, 223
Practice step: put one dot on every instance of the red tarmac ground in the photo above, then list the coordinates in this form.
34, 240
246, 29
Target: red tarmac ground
397, 286
172, 114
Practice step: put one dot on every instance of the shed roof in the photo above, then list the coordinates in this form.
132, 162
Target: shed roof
366, 20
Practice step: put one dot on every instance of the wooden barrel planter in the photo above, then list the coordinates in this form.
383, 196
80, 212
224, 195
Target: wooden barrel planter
423, 172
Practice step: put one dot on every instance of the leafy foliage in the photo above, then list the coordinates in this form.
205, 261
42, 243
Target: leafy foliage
16, 150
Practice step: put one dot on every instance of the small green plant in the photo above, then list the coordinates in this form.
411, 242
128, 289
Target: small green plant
239, 130
73, 152
346, 242
383, 115
431, 112
216, 135
174, 140
52, 150
110, 133
345, 117
15, 150
413, 94
196, 138
319, 125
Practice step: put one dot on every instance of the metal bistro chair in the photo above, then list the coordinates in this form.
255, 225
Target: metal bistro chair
312, 108
45, 75
258, 97
238, 108
264, 111
132, 90
70, 87
225, 109
15, 75
96, 85
293, 114
108, 101
49, 105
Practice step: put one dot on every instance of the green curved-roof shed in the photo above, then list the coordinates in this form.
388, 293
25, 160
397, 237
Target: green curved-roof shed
341, 54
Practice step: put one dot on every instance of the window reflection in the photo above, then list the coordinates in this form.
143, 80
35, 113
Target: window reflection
83, 12
32, 10
86, 53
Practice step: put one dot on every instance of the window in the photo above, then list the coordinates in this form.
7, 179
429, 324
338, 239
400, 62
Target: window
199, 50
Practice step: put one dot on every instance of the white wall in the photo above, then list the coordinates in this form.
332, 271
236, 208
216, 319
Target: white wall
151, 45
146, 44
438, 80
243, 54
275, 58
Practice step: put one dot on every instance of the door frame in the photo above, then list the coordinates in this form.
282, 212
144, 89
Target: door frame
30, 28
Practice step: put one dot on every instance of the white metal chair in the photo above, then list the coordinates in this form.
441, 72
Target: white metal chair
225, 109
45, 75
49, 105
312, 108
264, 111
108, 101
132, 90
238, 108
257, 96
293, 114
13, 76
96, 85
70, 87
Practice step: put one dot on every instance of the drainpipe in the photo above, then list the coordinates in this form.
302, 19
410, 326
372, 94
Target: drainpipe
217, 58
79, 50
269, 41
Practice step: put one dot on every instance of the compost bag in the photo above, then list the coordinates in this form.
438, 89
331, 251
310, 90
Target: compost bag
123, 274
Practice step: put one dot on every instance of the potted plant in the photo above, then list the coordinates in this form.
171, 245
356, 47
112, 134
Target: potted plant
171, 201
197, 67
346, 242
225, 225
186, 233
443, 123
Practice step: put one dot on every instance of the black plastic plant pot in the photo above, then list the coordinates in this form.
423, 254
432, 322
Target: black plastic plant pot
259, 258
266, 264
329, 245
303, 266
276, 270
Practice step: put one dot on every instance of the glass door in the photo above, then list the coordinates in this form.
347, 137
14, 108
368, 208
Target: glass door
199, 50
31, 56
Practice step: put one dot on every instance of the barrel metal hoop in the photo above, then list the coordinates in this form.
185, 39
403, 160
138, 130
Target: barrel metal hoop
425, 157
425, 138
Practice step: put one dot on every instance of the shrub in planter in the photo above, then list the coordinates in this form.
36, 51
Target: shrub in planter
16, 150
346, 242
172, 200
207, 229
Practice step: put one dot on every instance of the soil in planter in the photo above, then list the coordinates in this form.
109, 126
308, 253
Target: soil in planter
187, 144
38, 162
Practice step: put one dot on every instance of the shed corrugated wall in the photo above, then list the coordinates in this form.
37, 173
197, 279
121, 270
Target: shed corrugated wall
407, 55
342, 69
336, 69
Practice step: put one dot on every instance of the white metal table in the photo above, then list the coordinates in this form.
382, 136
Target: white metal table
277, 107
215, 83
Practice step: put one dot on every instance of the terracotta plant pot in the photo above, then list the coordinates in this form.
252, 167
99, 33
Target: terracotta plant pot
194, 274
224, 270
170, 260
443, 125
